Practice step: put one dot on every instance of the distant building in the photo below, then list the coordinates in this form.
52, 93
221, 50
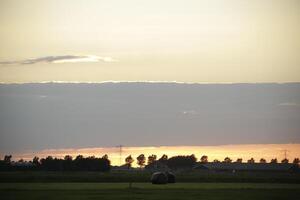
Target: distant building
235, 167
22, 164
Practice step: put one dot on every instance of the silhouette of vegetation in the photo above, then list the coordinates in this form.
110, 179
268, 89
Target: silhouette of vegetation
141, 160
7, 159
92, 163
151, 159
129, 160
56, 164
274, 160
296, 161
35, 161
204, 159
78, 164
178, 162
163, 159
227, 160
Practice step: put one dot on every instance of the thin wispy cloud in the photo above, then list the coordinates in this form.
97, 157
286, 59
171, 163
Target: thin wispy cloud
60, 59
290, 104
189, 112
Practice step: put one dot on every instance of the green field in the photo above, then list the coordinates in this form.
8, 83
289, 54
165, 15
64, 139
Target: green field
114, 185
144, 176
188, 191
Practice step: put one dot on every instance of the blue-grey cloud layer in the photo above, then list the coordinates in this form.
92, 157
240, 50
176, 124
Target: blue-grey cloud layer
52, 115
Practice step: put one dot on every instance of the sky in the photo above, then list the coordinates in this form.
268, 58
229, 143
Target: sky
139, 40
246, 152
144, 55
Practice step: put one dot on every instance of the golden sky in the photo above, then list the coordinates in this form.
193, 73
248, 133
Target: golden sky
139, 40
256, 151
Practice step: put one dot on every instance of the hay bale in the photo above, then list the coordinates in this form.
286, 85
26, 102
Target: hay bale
159, 178
171, 177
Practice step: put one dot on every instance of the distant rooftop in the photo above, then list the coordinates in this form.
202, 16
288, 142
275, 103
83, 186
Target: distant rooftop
246, 166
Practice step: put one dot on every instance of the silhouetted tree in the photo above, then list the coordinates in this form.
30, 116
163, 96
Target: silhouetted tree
251, 160
57, 164
141, 160
68, 158
273, 160
163, 159
79, 157
296, 161
239, 160
262, 160
51, 164
129, 160
285, 160
178, 162
193, 157
35, 161
216, 161
227, 160
7, 159
68, 163
105, 156
151, 159
79, 163
204, 159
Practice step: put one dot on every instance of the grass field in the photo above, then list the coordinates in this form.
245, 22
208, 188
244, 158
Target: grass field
146, 191
144, 176
114, 185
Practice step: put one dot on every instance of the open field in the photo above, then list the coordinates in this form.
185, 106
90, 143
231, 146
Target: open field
144, 176
115, 185
148, 191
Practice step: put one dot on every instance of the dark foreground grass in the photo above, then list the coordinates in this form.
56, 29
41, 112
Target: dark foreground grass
144, 176
111, 191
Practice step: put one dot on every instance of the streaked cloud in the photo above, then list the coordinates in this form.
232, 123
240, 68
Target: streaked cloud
189, 112
60, 59
290, 104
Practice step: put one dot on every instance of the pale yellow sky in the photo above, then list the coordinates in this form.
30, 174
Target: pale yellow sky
139, 40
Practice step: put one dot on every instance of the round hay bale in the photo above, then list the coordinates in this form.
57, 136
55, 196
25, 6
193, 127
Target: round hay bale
171, 177
159, 178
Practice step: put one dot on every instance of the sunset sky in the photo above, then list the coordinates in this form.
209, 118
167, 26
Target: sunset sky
146, 54
141, 40
257, 151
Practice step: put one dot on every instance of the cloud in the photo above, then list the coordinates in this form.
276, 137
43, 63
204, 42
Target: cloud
189, 112
290, 104
61, 59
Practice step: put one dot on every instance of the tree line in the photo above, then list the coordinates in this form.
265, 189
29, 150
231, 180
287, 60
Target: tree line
67, 163
92, 163
181, 161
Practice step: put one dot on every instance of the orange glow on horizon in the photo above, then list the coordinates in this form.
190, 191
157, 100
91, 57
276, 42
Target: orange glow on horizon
257, 151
